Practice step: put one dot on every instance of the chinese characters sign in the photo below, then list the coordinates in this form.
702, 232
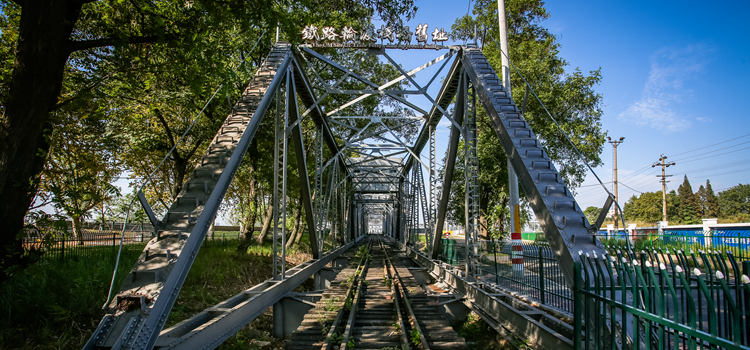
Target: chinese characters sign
368, 36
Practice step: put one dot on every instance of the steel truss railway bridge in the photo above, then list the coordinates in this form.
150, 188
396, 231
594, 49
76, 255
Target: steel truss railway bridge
366, 168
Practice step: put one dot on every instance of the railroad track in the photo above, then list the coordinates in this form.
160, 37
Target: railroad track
375, 303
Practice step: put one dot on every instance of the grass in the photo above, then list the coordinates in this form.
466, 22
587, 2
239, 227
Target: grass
479, 335
57, 305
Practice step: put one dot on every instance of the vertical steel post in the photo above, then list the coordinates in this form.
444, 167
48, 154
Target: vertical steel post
541, 276
433, 183
279, 187
427, 220
471, 188
318, 196
577, 306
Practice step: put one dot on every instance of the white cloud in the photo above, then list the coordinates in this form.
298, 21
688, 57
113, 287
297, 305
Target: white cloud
672, 69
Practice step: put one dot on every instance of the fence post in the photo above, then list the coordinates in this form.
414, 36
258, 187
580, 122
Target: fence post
494, 253
62, 252
746, 294
541, 276
577, 307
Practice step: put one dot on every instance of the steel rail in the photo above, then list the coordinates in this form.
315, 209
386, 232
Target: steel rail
391, 271
359, 273
398, 284
355, 302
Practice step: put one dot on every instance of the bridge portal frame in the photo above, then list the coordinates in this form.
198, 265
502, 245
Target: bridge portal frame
562, 220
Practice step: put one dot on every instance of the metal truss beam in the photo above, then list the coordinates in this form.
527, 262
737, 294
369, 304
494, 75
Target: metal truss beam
307, 95
450, 163
361, 78
394, 81
444, 99
299, 150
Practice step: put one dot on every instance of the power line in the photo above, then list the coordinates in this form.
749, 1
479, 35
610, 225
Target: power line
698, 149
598, 185
712, 156
720, 149
725, 165
638, 172
719, 174
622, 183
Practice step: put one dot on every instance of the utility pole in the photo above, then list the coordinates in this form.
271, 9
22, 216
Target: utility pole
664, 165
615, 143
515, 220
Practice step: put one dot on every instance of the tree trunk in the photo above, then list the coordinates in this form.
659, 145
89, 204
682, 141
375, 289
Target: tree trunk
266, 224
180, 164
296, 229
77, 229
483, 229
42, 51
303, 228
249, 228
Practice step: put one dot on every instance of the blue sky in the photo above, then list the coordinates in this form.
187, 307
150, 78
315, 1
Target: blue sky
674, 81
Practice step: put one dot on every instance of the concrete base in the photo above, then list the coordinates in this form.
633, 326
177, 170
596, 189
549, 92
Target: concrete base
324, 277
288, 314
454, 312
422, 276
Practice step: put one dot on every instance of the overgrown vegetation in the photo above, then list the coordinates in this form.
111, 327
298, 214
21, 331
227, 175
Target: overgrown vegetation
58, 305
414, 337
479, 335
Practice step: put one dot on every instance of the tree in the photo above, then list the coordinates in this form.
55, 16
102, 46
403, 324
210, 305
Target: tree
673, 204
735, 202
645, 208
689, 205
569, 96
80, 165
116, 209
708, 201
592, 213
49, 41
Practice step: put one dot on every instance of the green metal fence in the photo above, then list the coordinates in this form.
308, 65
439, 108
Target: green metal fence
61, 246
663, 299
736, 241
540, 279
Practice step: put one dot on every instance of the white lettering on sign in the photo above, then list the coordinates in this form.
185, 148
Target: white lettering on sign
348, 34
368, 35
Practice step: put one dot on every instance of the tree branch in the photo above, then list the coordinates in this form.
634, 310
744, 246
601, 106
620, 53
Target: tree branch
194, 149
90, 44
166, 127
